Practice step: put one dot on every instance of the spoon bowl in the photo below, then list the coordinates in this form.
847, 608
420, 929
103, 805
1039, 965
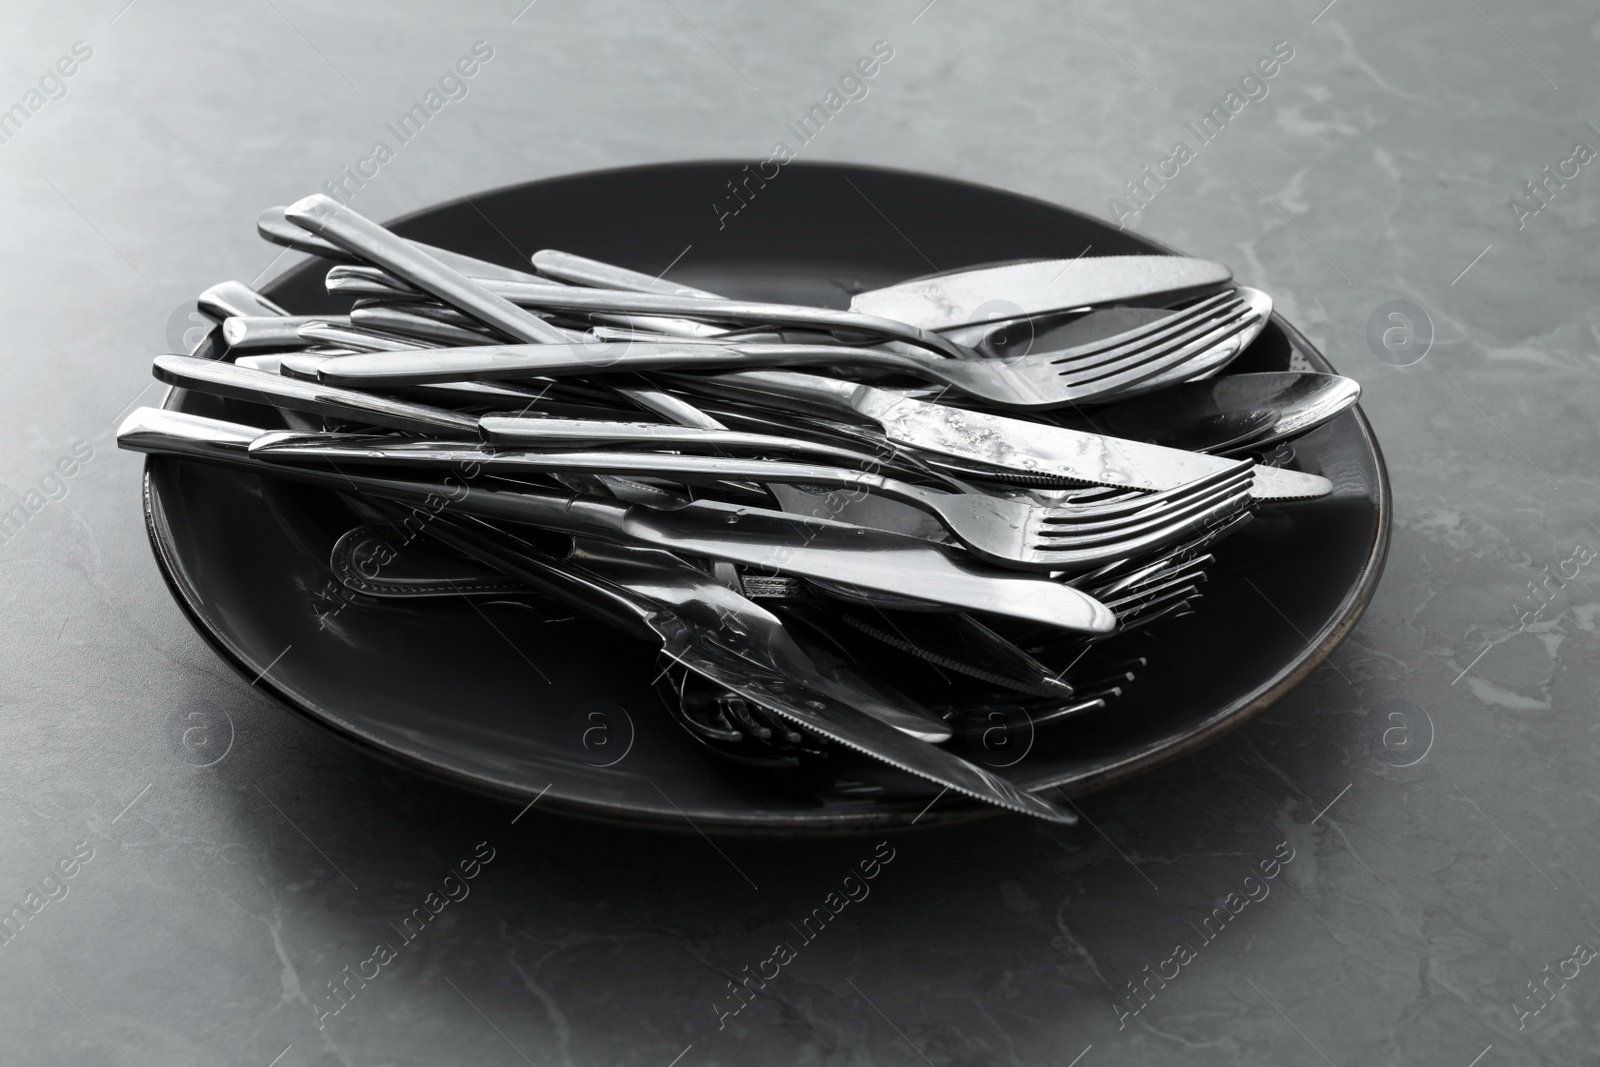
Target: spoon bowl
1237, 411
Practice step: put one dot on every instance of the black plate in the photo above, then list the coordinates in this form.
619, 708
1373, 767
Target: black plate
502, 700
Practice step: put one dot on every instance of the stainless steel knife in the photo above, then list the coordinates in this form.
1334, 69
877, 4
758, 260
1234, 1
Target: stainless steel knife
963, 297
715, 632
990, 294
997, 441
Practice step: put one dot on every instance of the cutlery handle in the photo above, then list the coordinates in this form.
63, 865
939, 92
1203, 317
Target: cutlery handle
354, 338
240, 383
499, 362
713, 468
366, 280
397, 320
158, 431
374, 281
274, 225
570, 298
339, 450
571, 585
492, 362
592, 272
356, 279
248, 332
679, 410
812, 393
226, 299
551, 434
350, 230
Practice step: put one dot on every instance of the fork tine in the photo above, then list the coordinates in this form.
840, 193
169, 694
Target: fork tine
1145, 501
1077, 707
1101, 383
1142, 332
1165, 611
1148, 542
1162, 590
1211, 534
1068, 522
1096, 581
1194, 336
1130, 530
1209, 364
1193, 569
1201, 518
1069, 537
1071, 518
1141, 368
1168, 591
1153, 334
1171, 332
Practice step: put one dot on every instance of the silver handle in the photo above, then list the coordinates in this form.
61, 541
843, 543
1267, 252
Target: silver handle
154, 430
226, 299
549, 433
274, 225
313, 447
366, 280
569, 298
354, 338
350, 230
592, 272
491, 362
246, 332
240, 383
374, 281
810, 392
420, 327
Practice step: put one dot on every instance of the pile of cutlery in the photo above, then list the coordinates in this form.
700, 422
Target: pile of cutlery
896, 528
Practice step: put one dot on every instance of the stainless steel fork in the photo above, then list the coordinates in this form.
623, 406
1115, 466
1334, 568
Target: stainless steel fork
1007, 531
1040, 380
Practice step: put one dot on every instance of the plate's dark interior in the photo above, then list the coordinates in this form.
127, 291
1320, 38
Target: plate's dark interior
491, 694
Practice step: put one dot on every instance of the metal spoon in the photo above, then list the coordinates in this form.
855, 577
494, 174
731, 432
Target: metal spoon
1232, 413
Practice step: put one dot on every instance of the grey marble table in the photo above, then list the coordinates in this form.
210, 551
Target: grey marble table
1425, 802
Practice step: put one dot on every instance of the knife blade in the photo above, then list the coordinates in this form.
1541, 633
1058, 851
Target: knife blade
955, 299
726, 638
998, 441
969, 297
